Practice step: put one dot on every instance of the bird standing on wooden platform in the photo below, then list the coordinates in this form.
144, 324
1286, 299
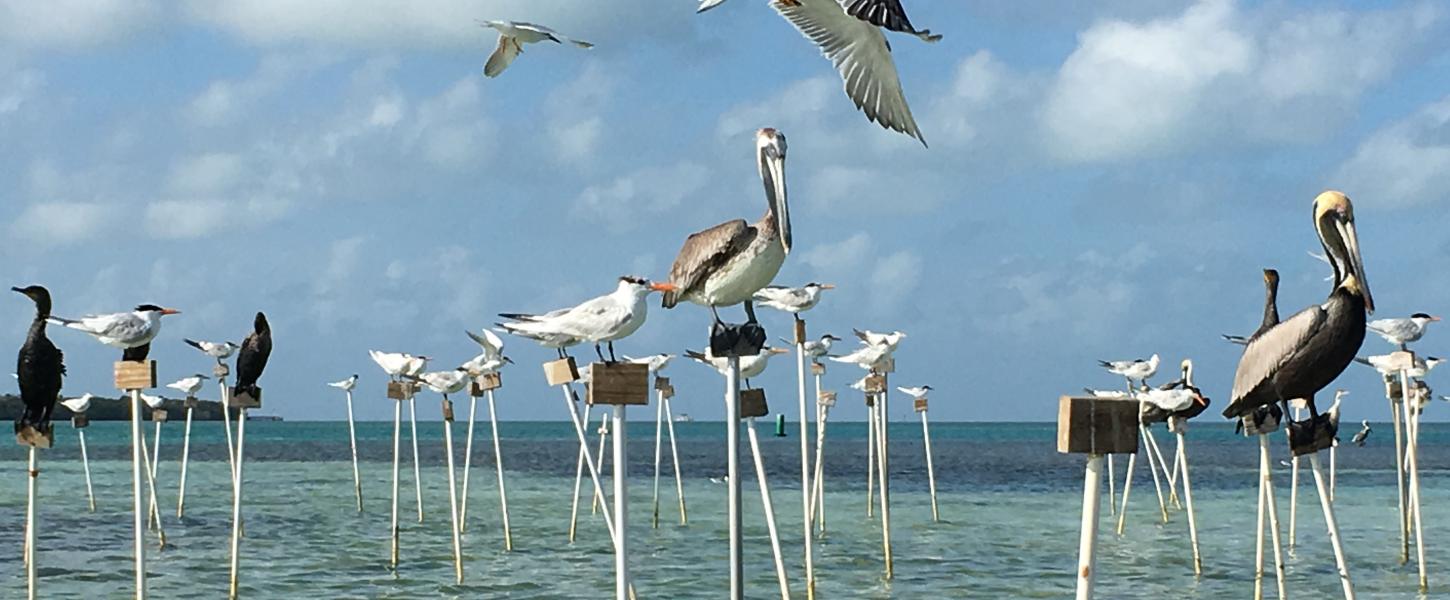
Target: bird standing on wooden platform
750, 366
345, 385
792, 300
727, 264
604, 319
1402, 331
252, 358
1304, 354
217, 350
1271, 309
188, 385
39, 369
1133, 370
132, 332
918, 392
78, 404
399, 364
1385, 364
820, 347
512, 35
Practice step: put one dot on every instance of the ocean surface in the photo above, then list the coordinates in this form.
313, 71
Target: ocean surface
1009, 503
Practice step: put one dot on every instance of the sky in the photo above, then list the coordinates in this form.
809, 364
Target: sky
1105, 180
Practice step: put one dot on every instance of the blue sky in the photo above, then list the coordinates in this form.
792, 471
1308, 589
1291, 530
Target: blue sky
1105, 180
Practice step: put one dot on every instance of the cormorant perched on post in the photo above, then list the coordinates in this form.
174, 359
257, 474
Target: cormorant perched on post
39, 367
252, 358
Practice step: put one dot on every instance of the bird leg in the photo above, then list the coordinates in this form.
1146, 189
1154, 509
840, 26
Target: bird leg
612, 359
752, 335
601, 354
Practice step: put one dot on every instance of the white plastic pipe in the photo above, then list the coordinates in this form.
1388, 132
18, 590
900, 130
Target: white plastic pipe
769, 509
467, 463
1404, 525
155, 499
397, 447
1127, 490
603, 439
1112, 487
86, 465
1334, 540
621, 505
503, 494
818, 513
805, 429
153, 515
1088, 541
659, 447
675, 460
1268, 485
1153, 470
237, 499
930, 472
185, 454
1188, 499
1413, 466
139, 542
883, 463
588, 459
352, 441
732, 448
873, 447
34, 476
453, 499
417, 471
578, 478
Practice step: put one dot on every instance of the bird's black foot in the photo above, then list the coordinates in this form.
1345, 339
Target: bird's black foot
1312, 435
736, 340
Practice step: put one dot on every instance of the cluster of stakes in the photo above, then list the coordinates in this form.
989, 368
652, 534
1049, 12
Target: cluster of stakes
1284, 364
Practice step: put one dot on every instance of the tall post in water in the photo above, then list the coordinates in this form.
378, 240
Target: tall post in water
398, 392
665, 396
732, 448
79, 422
452, 491
578, 475
1094, 427
352, 442
805, 431
185, 454
921, 404
417, 471
134, 377
1413, 467
503, 494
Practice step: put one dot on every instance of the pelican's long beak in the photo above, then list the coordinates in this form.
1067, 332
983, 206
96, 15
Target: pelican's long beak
662, 287
1356, 262
772, 173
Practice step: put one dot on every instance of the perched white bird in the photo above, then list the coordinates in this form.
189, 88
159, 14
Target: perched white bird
125, 330
915, 392
867, 356
750, 366
152, 401
1134, 370
484, 364
1363, 434
889, 340
1172, 401
345, 385
655, 362
1382, 363
445, 382
603, 319
512, 35
188, 385
489, 341
218, 350
1402, 331
1110, 394
819, 347
792, 300
79, 404
399, 364
848, 33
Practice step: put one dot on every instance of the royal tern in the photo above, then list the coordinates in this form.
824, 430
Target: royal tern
217, 350
40, 367
188, 385
819, 347
345, 385
130, 331
1305, 353
1132, 370
512, 35
78, 404
867, 356
726, 264
872, 338
1383, 364
252, 357
794, 300
1362, 435
860, 384
1108, 394
750, 366
484, 364
399, 364
154, 402
1402, 331
1168, 401
1271, 309
489, 341
603, 319
655, 362
446, 382
915, 392
849, 35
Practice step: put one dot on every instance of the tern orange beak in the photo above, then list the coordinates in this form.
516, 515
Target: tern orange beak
663, 287
828, 286
170, 311
1200, 399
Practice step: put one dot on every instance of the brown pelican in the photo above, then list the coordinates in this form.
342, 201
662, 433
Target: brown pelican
726, 264
1301, 355
512, 35
252, 358
849, 35
39, 367
1271, 309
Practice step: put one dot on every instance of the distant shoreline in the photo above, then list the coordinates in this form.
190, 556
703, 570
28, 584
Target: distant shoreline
118, 409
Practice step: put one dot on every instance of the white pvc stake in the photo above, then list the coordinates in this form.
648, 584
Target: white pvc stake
227, 426
352, 441
467, 464
621, 506
1328, 508
1293, 502
452, 496
1259, 535
1333, 451
1088, 542
1268, 484
930, 472
1404, 525
139, 543
417, 471
871, 460
675, 460
185, 454
503, 495
1188, 500
603, 439
34, 476
86, 464
155, 503
732, 448
397, 439
769, 510
1127, 489
237, 499
1413, 466
819, 505
883, 464
805, 429
659, 431
1153, 470
1112, 487
152, 514
588, 459
578, 478
1156, 455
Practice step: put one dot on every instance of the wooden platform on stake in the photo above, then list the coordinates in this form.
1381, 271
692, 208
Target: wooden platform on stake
158, 415
401, 390
560, 372
1261, 422
246, 399
875, 384
190, 402
662, 383
618, 384
668, 392
447, 410
817, 368
752, 404
920, 405
80, 421
1097, 425
34, 438
826, 398
800, 331
221, 370
132, 375
870, 400
484, 383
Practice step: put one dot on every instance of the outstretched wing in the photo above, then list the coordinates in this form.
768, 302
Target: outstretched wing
883, 13
508, 49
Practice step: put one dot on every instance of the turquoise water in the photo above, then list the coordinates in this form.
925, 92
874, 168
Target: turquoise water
1010, 514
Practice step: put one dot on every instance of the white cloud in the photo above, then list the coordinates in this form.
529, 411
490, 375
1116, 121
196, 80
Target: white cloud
893, 280
1404, 164
575, 108
73, 23
227, 100
206, 173
623, 204
17, 88
59, 223
185, 219
834, 259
